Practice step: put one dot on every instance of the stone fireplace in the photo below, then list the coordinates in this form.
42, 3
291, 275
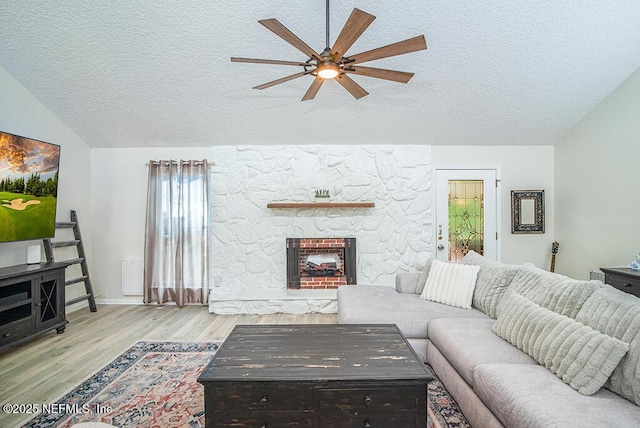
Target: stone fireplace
320, 263
248, 259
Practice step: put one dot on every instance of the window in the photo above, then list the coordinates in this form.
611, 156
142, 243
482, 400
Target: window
176, 236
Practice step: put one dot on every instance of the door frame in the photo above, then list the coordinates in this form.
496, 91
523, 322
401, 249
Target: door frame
498, 207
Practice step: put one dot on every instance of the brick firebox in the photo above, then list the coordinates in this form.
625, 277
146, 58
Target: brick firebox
298, 249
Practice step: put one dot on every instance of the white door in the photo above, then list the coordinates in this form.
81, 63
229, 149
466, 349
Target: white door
466, 213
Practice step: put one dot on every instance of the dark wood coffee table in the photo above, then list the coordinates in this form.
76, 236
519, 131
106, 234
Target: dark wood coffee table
322, 375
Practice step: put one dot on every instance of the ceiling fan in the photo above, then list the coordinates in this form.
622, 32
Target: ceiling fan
332, 62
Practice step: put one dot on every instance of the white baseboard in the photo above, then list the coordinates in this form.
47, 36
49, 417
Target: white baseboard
129, 301
85, 304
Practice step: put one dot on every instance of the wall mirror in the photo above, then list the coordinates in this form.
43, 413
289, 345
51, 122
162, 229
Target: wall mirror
527, 211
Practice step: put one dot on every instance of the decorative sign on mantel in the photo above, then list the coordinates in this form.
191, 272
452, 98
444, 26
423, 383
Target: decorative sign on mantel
314, 205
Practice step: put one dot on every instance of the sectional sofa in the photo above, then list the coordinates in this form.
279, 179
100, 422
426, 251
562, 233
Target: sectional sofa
535, 349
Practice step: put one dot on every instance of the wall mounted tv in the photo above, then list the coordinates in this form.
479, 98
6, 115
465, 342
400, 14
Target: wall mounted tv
28, 188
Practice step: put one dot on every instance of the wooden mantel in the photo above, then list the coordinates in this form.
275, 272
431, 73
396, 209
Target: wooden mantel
313, 205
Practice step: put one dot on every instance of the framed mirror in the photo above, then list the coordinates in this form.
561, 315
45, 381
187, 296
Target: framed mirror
527, 211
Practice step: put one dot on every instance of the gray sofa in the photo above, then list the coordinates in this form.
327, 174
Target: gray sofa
495, 383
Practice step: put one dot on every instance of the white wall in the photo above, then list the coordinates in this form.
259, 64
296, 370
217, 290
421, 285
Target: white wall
243, 175
23, 114
521, 168
597, 174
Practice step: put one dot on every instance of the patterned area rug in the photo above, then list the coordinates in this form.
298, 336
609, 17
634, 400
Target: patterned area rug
154, 384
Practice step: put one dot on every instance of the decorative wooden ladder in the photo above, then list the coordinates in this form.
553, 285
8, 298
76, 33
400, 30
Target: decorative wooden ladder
49, 245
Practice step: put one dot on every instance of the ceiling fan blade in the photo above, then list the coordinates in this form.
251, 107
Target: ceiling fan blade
284, 33
284, 79
267, 61
380, 73
356, 24
313, 89
406, 46
354, 89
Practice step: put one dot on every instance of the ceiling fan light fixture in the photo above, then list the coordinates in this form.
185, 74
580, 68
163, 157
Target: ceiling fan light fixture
332, 63
327, 70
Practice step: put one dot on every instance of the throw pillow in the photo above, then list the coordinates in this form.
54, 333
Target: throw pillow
558, 293
493, 279
423, 276
582, 357
617, 314
451, 284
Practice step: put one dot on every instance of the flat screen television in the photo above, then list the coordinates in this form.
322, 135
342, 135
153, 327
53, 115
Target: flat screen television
28, 188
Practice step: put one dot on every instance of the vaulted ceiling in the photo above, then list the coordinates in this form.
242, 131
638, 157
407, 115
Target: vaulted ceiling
138, 73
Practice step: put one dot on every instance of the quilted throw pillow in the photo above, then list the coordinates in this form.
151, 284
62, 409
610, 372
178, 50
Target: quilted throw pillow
451, 283
582, 357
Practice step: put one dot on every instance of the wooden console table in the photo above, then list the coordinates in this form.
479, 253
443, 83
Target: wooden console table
322, 375
31, 301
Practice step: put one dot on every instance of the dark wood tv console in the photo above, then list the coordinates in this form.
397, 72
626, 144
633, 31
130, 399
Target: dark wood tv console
31, 301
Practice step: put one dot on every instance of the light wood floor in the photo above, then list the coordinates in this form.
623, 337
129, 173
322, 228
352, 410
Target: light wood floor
45, 368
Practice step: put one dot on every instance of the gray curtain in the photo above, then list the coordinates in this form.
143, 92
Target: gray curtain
176, 233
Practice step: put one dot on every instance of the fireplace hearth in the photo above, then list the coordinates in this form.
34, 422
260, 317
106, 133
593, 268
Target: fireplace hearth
320, 263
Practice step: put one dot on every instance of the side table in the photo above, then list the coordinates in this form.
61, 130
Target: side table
624, 279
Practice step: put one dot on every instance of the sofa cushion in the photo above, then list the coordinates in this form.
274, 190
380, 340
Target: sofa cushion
466, 343
617, 314
493, 279
378, 304
451, 283
579, 355
552, 291
474, 410
530, 396
406, 282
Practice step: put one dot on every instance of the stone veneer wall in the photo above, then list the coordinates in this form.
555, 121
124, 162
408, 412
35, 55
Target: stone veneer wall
248, 239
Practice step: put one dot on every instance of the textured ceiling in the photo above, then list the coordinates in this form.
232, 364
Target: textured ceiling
141, 73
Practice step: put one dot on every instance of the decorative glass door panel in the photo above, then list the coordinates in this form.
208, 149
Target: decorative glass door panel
466, 213
466, 218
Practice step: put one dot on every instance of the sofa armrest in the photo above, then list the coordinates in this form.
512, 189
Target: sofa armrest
407, 282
